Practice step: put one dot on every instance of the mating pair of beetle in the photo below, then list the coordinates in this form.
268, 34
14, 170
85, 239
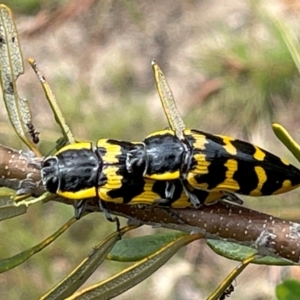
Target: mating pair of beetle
176, 167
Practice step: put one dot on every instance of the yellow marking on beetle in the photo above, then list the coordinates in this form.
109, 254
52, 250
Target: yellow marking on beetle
200, 169
262, 178
110, 157
259, 154
147, 196
188, 132
114, 181
111, 151
165, 175
103, 143
286, 187
76, 146
103, 194
161, 133
228, 146
200, 141
213, 197
229, 184
191, 180
202, 186
202, 165
285, 162
85, 193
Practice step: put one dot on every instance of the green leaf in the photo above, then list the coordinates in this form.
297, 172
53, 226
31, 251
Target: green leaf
288, 290
121, 282
283, 135
8, 209
86, 268
134, 249
226, 284
58, 116
11, 262
171, 111
240, 253
11, 66
20, 201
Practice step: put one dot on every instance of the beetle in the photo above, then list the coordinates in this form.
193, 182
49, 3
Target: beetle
212, 162
206, 161
80, 171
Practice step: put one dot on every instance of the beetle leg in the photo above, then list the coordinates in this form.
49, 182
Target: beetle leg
193, 198
170, 189
233, 198
79, 208
108, 216
169, 195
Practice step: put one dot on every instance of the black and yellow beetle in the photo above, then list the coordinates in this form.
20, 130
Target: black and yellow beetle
206, 161
212, 162
207, 167
80, 171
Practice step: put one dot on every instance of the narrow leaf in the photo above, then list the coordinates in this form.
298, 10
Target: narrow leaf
53, 103
123, 281
238, 252
7, 205
167, 100
227, 282
11, 66
11, 262
134, 249
283, 135
86, 268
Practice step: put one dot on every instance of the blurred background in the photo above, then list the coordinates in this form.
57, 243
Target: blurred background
230, 72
